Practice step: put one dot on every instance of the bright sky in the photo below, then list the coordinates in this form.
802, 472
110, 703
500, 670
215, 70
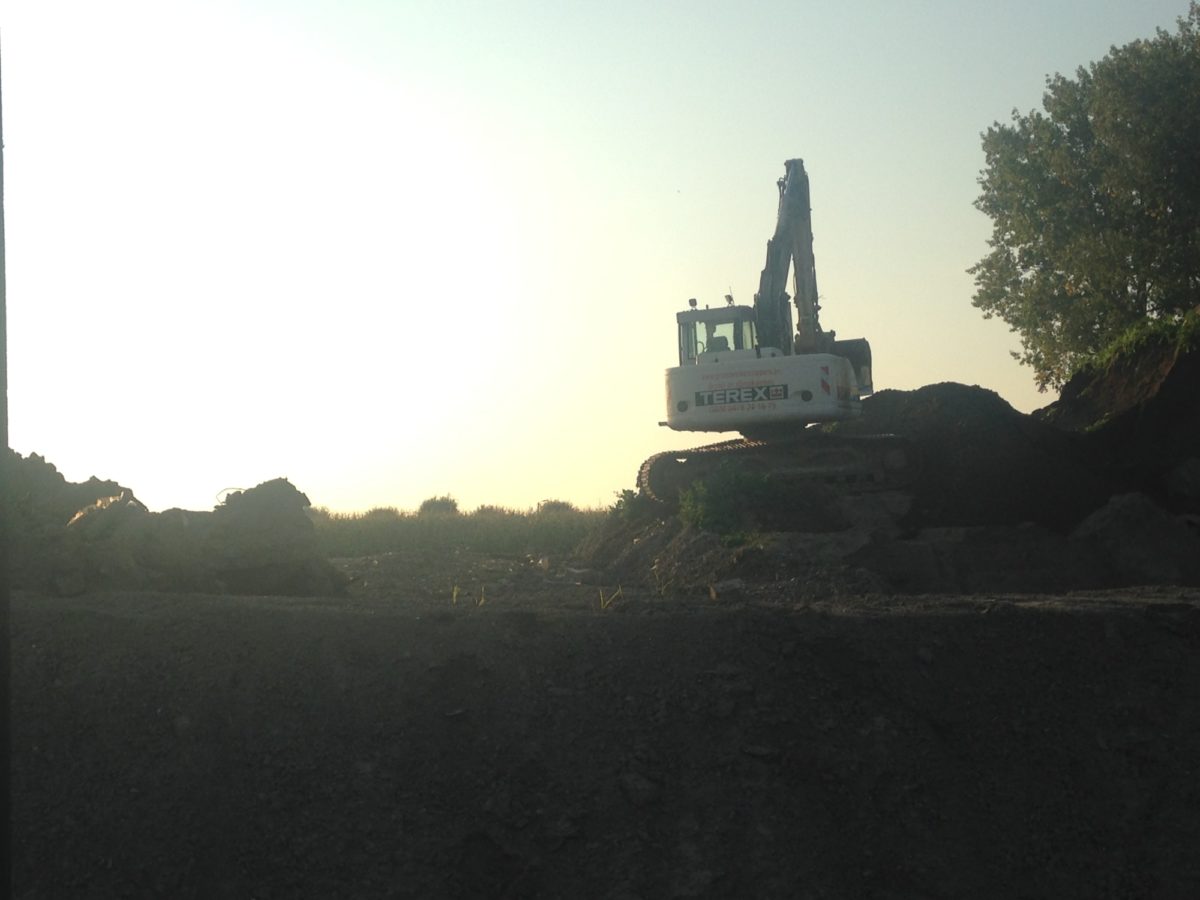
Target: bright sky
397, 249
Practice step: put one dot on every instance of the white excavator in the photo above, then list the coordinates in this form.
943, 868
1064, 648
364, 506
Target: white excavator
745, 369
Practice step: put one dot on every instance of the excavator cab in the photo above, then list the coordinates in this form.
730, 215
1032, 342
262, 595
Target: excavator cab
704, 333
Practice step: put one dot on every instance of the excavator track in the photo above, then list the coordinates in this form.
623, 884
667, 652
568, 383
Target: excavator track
855, 463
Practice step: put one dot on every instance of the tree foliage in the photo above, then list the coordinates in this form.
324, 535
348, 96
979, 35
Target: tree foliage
1095, 203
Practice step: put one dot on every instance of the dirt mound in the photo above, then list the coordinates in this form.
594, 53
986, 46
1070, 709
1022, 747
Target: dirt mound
37, 495
261, 541
39, 504
1139, 418
991, 500
977, 461
69, 538
1133, 535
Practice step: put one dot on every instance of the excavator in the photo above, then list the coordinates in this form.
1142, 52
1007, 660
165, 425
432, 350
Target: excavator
745, 369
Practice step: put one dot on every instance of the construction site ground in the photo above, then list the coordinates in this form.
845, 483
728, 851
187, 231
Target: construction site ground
399, 742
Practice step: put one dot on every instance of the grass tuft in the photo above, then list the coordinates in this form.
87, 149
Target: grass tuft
1183, 333
607, 602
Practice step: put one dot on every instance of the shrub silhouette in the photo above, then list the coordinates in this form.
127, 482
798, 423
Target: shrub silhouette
443, 506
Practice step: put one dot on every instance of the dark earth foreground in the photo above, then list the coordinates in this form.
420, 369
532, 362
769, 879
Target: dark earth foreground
389, 743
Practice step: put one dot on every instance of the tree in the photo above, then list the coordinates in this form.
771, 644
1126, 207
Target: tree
1095, 204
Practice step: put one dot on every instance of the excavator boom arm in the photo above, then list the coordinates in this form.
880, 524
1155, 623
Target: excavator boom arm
790, 247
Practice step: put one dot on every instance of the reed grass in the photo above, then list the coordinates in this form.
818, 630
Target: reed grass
553, 528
